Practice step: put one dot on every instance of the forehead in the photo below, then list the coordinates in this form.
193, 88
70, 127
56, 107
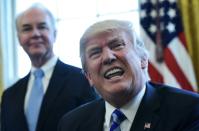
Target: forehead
32, 16
105, 37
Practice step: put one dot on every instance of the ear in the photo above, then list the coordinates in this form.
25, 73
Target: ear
144, 63
88, 76
55, 34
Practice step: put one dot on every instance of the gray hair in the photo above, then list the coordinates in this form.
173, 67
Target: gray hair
107, 25
36, 6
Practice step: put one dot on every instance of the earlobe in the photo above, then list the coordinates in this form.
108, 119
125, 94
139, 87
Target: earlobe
55, 34
144, 63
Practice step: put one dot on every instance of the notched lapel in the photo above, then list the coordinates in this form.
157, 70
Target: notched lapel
54, 87
18, 103
95, 121
147, 115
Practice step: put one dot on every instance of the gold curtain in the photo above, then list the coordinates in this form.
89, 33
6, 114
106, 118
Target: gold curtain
190, 17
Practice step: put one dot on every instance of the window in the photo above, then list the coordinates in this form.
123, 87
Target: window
73, 17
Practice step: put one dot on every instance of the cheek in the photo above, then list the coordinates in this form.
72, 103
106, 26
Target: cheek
22, 40
93, 68
49, 36
93, 65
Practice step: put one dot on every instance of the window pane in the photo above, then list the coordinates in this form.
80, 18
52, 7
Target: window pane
67, 44
76, 8
74, 16
116, 6
23, 4
130, 16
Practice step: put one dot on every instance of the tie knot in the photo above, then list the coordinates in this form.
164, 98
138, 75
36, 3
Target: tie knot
117, 116
38, 73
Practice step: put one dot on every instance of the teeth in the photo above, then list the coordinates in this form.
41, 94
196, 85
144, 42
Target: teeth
114, 72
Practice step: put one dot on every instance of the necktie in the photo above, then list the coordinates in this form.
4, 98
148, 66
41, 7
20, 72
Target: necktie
35, 100
116, 118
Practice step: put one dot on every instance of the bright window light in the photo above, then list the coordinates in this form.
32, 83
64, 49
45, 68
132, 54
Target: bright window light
73, 17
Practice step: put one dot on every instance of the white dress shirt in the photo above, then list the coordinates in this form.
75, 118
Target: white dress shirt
129, 111
48, 70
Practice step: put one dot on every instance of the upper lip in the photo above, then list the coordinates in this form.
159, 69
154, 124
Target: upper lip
36, 42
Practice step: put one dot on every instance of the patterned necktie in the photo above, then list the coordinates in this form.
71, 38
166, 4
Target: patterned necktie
35, 99
116, 119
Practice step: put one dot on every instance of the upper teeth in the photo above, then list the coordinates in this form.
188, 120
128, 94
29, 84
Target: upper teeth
112, 71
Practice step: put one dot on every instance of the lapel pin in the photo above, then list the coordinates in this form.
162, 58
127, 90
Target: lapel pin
147, 125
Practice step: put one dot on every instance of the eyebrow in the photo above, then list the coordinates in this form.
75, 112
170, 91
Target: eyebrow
43, 23
27, 25
93, 48
115, 40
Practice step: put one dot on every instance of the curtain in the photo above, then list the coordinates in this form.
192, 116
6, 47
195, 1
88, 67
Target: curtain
1, 71
189, 9
1, 55
8, 44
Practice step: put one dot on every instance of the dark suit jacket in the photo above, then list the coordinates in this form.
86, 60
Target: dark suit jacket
162, 109
67, 89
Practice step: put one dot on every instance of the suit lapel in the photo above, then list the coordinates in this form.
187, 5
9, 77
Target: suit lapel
19, 103
147, 115
53, 90
96, 121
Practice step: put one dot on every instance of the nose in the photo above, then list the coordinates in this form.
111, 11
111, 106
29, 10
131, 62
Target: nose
108, 56
36, 33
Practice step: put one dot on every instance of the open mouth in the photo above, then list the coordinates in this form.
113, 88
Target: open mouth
114, 72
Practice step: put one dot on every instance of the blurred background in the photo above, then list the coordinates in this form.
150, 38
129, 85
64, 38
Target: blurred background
169, 28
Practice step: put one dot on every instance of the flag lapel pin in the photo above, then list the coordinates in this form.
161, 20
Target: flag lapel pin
147, 125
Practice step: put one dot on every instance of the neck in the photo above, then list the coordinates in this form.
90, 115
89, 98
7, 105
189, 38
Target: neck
40, 60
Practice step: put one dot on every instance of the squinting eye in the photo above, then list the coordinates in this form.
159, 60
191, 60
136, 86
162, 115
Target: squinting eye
26, 29
117, 45
42, 27
94, 53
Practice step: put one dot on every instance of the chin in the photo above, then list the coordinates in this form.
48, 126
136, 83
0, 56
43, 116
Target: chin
37, 54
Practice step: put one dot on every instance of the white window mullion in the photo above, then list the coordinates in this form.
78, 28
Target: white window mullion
8, 41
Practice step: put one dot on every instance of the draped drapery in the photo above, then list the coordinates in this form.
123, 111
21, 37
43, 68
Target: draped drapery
1, 70
8, 49
1, 55
189, 10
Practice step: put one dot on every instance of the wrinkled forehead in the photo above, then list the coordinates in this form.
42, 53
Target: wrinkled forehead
106, 36
101, 38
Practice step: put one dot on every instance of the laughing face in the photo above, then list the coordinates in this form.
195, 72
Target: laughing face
113, 66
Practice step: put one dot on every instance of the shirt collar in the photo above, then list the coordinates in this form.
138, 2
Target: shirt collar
47, 66
129, 109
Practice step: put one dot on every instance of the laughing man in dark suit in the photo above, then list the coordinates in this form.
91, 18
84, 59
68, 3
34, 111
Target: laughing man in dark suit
115, 62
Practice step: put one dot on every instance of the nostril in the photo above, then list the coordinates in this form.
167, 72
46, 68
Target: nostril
36, 36
109, 61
